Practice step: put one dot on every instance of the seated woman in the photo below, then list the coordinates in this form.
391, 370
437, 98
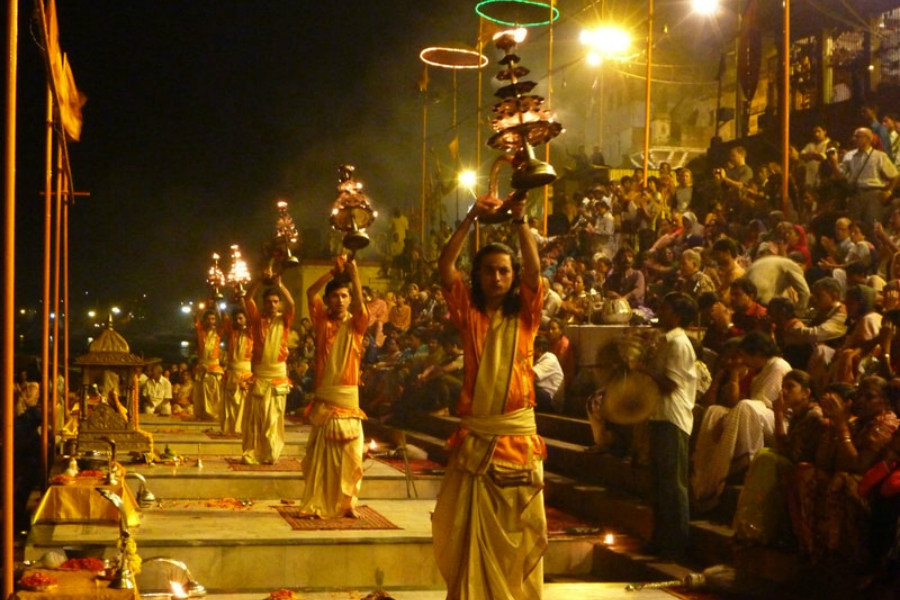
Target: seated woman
762, 513
865, 324
731, 434
828, 515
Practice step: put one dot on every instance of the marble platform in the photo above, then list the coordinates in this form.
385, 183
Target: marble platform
216, 479
254, 549
552, 591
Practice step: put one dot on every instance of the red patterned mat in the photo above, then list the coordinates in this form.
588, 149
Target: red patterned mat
417, 467
560, 523
221, 435
369, 518
283, 464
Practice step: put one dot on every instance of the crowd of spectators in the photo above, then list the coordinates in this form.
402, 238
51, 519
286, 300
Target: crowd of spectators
798, 302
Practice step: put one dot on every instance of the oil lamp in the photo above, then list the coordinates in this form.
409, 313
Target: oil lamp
238, 275
285, 241
215, 278
352, 212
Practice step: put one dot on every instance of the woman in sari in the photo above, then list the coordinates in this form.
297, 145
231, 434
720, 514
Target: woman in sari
829, 517
762, 513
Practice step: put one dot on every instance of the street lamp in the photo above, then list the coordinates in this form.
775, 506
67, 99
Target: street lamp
705, 7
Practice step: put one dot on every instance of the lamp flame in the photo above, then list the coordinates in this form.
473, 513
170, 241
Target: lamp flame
609, 539
177, 590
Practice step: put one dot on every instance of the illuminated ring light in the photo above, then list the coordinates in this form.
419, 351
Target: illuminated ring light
516, 13
448, 57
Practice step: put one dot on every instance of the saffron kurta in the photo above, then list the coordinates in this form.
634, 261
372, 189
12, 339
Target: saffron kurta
263, 424
489, 525
332, 466
207, 397
238, 375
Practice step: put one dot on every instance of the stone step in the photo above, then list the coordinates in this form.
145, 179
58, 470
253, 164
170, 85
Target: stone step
593, 590
192, 440
216, 479
254, 549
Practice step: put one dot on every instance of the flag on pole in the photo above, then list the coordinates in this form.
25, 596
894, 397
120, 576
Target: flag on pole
423, 80
69, 99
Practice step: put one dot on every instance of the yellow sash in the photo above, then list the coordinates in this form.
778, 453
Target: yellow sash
342, 396
496, 366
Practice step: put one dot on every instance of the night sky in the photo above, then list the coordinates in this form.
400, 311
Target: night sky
201, 115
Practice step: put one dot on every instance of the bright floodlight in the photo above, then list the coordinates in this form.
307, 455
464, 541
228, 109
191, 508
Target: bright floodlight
92, 313
115, 310
705, 7
607, 40
186, 309
594, 59
468, 179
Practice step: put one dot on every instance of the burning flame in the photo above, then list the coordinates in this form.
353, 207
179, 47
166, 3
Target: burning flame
609, 539
372, 445
177, 590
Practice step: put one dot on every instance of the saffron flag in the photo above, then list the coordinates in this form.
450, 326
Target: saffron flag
69, 99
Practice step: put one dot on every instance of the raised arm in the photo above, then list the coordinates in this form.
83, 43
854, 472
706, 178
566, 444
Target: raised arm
531, 261
286, 294
357, 302
447, 260
313, 290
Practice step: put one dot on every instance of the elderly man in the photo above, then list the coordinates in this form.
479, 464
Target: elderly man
871, 178
691, 280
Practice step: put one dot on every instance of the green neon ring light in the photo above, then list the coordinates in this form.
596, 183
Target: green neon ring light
530, 4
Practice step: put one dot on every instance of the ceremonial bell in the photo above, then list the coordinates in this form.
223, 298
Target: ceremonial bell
280, 248
352, 212
521, 123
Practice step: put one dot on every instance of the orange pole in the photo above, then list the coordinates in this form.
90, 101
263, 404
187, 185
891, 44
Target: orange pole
45, 307
647, 91
65, 302
9, 290
549, 103
424, 155
786, 110
57, 237
479, 108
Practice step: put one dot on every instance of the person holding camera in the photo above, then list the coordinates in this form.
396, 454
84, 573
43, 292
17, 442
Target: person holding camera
870, 178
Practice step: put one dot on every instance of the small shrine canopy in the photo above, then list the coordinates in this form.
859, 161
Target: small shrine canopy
110, 349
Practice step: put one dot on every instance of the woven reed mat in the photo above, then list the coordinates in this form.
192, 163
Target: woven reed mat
218, 434
283, 464
417, 467
369, 518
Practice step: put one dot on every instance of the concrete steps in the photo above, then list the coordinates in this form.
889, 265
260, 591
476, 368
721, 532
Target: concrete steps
254, 549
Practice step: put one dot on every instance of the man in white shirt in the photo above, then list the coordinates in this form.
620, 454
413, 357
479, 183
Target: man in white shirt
548, 377
871, 177
775, 275
673, 367
156, 395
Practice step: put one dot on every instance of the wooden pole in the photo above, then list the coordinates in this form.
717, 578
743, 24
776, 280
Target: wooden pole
647, 90
549, 103
45, 307
9, 281
786, 111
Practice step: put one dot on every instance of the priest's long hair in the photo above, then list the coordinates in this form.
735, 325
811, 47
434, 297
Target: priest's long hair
513, 301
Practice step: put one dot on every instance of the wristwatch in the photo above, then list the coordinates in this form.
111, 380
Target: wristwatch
519, 221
